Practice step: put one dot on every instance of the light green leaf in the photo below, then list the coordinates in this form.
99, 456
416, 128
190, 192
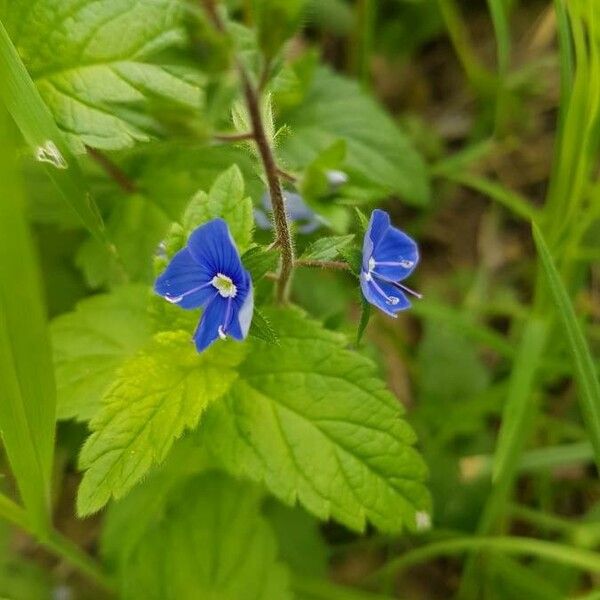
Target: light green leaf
519, 406
27, 387
262, 329
301, 544
225, 199
46, 141
312, 421
212, 542
260, 261
327, 248
378, 153
92, 342
156, 396
136, 226
89, 57
585, 370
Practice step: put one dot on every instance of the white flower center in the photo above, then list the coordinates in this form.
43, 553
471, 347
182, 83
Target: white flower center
372, 264
224, 285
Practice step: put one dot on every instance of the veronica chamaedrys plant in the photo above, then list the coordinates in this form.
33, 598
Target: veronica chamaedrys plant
389, 256
208, 272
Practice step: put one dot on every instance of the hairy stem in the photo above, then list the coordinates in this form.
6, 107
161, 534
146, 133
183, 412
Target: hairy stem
323, 264
282, 228
283, 238
233, 137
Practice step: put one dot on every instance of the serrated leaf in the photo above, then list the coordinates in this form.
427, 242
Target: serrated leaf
260, 261
225, 199
312, 421
353, 256
157, 395
89, 57
378, 152
327, 248
212, 542
262, 329
46, 141
365, 316
92, 342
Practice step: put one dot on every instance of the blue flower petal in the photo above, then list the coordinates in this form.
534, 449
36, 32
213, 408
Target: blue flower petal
379, 223
212, 318
212, 246
240, 324
185, 282
396, 255
383, 295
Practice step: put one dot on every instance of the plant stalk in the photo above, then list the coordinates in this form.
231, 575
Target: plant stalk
283, 237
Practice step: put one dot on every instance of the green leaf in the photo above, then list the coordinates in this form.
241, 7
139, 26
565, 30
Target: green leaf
353, 256
300, 542
157, 395
91, 59
136, 226
365, 316
260, 261
378, 154
585, 370
312, 421
211, 542
92, 342
327, 248
519, 407
262, 329
226, 200
45, 139
27, 387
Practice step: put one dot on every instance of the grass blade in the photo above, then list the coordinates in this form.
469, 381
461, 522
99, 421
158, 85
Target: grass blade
585, 372
515, 546
30, 113
519, 406
27, 389
509, 199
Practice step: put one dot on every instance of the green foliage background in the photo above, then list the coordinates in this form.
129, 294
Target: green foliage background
336, 453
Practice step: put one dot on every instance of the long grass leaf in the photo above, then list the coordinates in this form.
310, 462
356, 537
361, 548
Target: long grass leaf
27, 389
30, 113
585, 372
519, 406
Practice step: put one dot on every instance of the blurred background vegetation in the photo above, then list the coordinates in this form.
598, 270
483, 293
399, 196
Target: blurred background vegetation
490, 121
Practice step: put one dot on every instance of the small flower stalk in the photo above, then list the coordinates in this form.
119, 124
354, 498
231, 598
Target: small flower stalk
209, 273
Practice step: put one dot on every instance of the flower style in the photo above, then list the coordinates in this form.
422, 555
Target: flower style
208, 272
388, 257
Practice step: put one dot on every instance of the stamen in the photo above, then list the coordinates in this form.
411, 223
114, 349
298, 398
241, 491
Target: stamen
407, 290
403, 262
393, 300
222, 331
224, 285
176, 299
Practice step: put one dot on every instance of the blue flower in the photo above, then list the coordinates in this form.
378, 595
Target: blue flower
388, 257
208, 272
298, 212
